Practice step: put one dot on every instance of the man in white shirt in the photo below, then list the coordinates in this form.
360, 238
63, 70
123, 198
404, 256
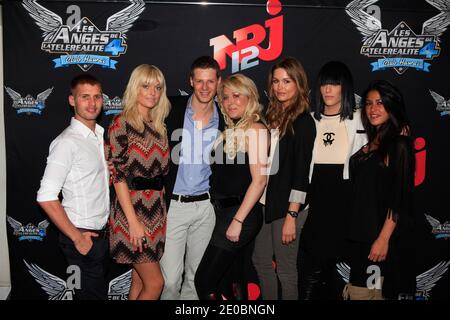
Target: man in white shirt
76, 166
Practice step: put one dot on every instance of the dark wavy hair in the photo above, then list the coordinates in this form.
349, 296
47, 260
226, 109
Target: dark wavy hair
284, 117
336, 73
397, 124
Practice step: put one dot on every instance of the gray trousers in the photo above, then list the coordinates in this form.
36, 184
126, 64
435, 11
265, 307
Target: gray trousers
268, 244
189, 229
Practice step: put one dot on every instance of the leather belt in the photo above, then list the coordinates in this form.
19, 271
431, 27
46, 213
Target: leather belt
200, 197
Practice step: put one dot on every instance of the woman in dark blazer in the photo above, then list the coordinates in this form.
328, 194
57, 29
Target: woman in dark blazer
292, 139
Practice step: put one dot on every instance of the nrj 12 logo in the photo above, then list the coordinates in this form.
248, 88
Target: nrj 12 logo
28, 104
246, 52
29, 232
84, 44
400, 48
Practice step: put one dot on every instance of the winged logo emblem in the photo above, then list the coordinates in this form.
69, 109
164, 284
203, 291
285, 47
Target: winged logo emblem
28, 104
440, 230
112, 106
427, 280
442, 105
119, 287
57, 289
83, 43
424, 281
401, 48
28, 232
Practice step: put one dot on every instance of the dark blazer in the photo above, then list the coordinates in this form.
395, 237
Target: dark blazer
295, 152
174, 121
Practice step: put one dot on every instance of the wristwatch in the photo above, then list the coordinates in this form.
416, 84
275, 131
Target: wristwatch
293, 214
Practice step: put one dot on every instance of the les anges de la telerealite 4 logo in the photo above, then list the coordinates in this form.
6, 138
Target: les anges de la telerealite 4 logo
28, 104
83, 43
28, 232
400, 48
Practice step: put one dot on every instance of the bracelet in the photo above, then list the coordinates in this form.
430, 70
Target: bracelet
236, 219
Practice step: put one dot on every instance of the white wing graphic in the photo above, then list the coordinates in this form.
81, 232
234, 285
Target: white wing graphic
344, 270
16, 225
50, 283
47, 20
120, 285
183, 93
13, 94
366, 24
358, 99
440, 101
438, 24
106, 100
41, 97
43, 224
123, 20
433, 221
427, 280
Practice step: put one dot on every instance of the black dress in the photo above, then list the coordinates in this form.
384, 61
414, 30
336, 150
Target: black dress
323, 234
229, 182
377, 189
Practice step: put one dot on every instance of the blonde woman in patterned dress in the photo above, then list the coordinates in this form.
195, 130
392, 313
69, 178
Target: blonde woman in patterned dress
137, 147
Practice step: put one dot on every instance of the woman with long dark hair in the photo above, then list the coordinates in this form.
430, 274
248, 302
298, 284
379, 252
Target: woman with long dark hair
381, 220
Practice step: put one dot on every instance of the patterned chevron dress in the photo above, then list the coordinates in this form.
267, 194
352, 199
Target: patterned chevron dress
136, 154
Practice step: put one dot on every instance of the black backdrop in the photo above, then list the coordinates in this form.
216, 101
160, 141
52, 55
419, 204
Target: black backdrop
171, 35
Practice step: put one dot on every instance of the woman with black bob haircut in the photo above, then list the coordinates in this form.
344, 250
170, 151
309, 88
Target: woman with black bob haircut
340, 134
336, 73
381, 221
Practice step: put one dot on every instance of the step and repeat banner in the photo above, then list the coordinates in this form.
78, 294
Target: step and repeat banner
47, 43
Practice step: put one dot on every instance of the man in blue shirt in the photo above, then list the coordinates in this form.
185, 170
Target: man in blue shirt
196, 121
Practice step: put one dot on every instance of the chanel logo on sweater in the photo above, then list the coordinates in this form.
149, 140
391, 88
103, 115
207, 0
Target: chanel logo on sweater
328, 141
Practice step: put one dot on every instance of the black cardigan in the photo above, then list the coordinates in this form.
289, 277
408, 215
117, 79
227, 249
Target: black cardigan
175, 120
295, 152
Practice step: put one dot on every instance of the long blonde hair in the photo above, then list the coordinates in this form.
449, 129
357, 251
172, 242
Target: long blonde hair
235, 135
141, 75
283, 118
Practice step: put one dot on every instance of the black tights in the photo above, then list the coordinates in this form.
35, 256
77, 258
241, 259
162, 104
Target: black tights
319, 278
215, 272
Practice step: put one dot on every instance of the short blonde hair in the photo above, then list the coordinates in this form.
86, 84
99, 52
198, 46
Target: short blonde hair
141, 75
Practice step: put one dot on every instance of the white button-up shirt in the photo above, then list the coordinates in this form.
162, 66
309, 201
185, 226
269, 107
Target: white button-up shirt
76, 165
